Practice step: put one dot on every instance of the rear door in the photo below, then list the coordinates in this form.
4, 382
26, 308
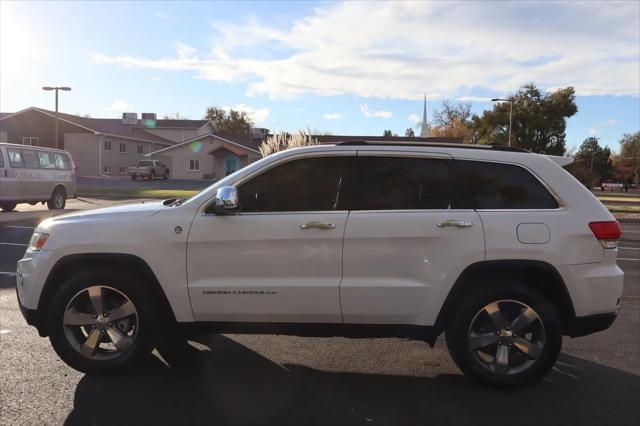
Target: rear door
409, 235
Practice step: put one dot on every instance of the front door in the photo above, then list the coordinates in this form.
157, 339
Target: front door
280, 258
409, 236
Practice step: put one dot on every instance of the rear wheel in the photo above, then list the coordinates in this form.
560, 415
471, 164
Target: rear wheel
7, 206
152, 175
58, 199
504, 334
166, 175
101, 321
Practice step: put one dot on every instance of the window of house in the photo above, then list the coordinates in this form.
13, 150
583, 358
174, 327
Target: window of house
123, 170
123, 147
504, 186
107, 145
398, 183
308, 184
140, 149
1, 160
106, 169
194, 165
15, 158
30, 140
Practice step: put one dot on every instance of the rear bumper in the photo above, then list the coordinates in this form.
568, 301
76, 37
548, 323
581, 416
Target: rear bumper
582, 326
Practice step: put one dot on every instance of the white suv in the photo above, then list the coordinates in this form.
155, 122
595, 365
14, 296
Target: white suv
501, 249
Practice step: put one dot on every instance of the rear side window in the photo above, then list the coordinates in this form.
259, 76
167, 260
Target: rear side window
47, 160
504, 186
396, 183
63, 161
309, 184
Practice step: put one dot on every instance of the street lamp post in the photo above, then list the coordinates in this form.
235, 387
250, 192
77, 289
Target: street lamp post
510, 100
66, 89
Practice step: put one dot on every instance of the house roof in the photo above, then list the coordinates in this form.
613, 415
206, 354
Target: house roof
114, 126
222, 139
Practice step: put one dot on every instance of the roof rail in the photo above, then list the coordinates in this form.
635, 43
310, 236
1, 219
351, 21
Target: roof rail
433, 144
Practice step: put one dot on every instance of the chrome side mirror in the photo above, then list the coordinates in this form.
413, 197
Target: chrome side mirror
226, 200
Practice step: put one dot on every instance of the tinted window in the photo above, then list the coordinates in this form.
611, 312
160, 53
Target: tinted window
47, 160
504, 186
15, 158
1, 160
31, 160
395, 183
145, 163
310, 184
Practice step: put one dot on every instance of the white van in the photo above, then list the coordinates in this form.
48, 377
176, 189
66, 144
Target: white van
30, 174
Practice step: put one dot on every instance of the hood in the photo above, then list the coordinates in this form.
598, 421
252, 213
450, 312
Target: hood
127, 211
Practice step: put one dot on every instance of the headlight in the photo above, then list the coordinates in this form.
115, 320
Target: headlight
37, 241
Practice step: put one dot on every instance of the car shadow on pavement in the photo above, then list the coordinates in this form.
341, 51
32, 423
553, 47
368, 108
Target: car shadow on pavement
231, 384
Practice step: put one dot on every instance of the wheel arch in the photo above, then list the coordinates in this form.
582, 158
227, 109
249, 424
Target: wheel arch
539, 275
123, 262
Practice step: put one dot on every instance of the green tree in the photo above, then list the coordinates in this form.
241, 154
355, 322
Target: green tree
410, 133
592, 164
538, 124
387, 134
630, 156
235, 122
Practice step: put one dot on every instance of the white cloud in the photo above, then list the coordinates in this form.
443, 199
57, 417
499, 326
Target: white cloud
401, 49
161, 16
364, 108
415, 118
119, 106
257, 115
333, 116
607, 123
154, 78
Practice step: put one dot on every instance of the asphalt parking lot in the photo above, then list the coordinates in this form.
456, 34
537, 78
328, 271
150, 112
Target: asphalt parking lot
289, 380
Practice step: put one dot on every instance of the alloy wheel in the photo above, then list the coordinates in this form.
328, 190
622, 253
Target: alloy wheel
100, 322
506, 337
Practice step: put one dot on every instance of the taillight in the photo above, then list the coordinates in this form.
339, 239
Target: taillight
608, 233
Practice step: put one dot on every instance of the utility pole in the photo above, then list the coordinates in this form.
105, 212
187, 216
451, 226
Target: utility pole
64, 88
510, 100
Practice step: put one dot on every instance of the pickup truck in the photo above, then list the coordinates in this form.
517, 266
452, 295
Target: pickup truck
149, 169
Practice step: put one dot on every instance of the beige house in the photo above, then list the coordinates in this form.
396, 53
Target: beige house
208, 156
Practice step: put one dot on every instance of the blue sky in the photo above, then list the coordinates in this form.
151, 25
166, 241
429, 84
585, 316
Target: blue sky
345, 68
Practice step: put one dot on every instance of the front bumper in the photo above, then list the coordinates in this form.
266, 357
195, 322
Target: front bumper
582, 326
32, 316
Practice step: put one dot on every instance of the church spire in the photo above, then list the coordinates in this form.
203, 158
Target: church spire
424, 133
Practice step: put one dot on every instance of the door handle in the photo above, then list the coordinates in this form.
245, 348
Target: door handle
455, 224
318, 225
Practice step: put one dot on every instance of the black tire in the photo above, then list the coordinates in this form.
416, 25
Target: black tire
511, 293
166, 175
58, 199
152, 175
146, 326
133, 177
7, 206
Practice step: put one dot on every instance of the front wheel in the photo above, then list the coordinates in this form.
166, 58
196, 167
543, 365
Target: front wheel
504, 334
101, 321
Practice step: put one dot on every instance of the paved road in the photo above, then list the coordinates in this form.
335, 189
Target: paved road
289, 380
